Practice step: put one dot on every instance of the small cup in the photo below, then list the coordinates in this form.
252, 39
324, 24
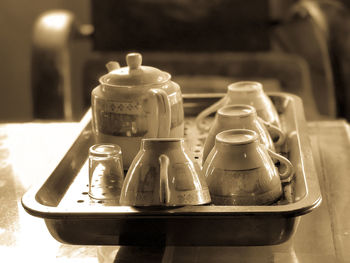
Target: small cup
106, 172
240, 170
244, 92
240, 116
163, 174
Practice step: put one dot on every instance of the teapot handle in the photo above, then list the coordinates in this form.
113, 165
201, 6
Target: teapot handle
274, 130
159, 120
205, 113
287, 175
164, 190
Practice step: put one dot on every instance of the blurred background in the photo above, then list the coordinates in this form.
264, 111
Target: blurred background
53, 52
17, 19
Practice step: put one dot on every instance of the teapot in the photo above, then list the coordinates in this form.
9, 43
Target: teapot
135, 102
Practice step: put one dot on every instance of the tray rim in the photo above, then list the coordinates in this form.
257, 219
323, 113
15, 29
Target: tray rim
307, 204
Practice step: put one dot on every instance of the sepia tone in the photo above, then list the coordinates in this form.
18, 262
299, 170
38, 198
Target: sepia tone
151, 79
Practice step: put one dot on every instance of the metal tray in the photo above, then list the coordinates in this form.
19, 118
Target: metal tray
71, 217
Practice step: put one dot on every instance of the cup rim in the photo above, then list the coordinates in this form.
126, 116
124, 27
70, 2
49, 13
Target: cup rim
112, 150
249, 86
250, 110
251, 136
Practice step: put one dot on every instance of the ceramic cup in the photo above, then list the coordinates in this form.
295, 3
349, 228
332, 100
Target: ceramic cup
244, 92
240, 170
163, 174
240, 116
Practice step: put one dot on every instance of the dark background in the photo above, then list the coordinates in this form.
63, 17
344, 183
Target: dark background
17, 19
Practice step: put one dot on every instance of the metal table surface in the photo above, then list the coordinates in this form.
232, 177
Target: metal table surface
29, 151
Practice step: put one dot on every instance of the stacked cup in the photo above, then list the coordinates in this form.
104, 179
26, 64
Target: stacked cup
241, 116
244, 92
240, 150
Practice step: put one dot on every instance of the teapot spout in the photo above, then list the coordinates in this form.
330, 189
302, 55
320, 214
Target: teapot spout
112, 65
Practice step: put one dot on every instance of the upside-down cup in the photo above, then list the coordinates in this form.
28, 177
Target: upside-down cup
240, 170
243, 92
163, 174
241, 116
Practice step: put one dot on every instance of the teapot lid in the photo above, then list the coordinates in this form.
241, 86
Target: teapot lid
134, 74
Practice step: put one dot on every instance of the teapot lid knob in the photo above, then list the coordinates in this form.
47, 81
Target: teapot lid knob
134, 60
134, 74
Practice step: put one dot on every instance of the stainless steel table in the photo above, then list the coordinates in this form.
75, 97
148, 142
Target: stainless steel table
29, 151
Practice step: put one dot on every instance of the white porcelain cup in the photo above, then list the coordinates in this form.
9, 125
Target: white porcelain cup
244, 92
241, 116
163, 174
240, 170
